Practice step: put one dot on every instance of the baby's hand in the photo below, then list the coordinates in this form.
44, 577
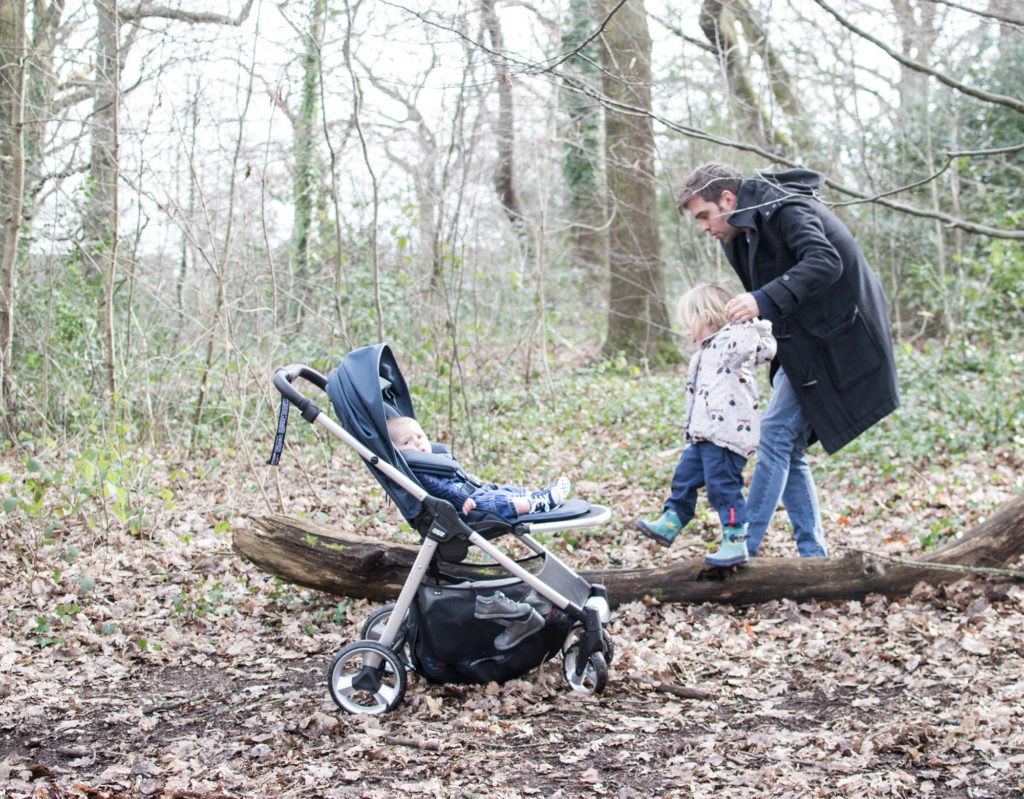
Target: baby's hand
467, 506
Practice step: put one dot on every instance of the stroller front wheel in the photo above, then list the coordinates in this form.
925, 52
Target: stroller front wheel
373, 630
366, 677
607, 643
592, 679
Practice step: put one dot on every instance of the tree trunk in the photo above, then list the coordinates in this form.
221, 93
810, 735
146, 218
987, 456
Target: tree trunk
99, 225
40, 92
637, 320
306, 183
302, 552
12, 178
584, 176
99, 220
504, 169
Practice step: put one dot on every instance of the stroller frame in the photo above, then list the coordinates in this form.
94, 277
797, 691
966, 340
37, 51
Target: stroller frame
369, 676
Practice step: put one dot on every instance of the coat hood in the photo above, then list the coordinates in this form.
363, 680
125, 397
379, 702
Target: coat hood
795, 181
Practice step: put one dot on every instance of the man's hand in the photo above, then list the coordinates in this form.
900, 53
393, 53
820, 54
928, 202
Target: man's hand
742, 308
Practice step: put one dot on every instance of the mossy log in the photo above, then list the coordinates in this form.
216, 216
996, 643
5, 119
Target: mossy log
304, 553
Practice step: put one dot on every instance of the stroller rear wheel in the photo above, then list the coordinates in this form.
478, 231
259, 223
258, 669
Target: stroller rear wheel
366, 677
592, 679
373, 629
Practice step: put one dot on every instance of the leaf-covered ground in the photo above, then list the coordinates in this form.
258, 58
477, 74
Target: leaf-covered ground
158, 663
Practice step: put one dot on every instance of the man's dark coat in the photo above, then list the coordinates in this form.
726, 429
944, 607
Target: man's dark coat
830, 320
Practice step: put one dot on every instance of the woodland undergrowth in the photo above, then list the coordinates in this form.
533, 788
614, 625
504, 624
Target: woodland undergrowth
140, 656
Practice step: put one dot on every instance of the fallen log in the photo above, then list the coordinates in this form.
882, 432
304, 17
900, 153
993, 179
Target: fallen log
314, 556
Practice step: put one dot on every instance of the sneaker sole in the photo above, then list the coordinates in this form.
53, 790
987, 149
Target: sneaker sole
522, 614
660, 539
722, 564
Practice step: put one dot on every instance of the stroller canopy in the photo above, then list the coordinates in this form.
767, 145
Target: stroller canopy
366, 390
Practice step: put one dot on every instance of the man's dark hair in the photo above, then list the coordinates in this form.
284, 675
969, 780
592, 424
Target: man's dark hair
708, 182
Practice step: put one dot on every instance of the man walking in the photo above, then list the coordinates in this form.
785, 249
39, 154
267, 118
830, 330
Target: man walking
834, 375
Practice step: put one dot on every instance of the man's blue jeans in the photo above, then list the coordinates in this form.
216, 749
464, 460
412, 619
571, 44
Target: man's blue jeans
781, 473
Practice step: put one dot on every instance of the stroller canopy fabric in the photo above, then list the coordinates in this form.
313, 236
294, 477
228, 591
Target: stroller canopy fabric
366, 390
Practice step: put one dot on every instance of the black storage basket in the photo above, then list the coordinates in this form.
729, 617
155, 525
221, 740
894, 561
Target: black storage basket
448, 644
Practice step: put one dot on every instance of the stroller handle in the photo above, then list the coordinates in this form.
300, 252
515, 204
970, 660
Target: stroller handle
283, 378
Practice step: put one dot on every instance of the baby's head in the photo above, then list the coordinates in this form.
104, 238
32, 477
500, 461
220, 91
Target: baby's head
701, 310
407, 434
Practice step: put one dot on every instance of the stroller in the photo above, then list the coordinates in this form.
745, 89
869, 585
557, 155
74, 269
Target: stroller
447, 628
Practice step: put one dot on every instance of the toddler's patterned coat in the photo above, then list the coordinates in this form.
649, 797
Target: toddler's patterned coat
722, 399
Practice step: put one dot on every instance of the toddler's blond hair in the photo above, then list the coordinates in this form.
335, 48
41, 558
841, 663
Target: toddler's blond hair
703, 301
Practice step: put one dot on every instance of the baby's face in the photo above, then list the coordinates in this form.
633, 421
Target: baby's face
409, 435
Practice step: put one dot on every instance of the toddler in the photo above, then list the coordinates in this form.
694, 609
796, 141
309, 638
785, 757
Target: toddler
722, 421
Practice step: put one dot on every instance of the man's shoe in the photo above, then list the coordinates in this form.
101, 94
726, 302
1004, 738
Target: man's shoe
664, 530
733, 551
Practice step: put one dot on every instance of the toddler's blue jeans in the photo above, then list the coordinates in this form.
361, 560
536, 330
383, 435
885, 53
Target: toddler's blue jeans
717, 468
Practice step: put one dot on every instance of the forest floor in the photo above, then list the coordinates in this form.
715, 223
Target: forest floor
159, 663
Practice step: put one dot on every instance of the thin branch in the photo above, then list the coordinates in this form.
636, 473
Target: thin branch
675, 30
1012, 103
1007, 20
144, 10
776, 158
1016, 148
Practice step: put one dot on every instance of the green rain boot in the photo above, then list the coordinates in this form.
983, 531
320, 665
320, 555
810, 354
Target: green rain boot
733, 551
664, 530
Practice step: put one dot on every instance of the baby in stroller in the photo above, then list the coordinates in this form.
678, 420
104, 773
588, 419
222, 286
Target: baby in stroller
520, 619
509, 502
491, 622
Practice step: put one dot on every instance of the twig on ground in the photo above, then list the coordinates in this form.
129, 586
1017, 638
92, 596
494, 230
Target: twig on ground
415, 743
685, 693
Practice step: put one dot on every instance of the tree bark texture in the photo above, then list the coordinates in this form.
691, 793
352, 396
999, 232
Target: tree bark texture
12, 174
637, 320
584, 176
305, 553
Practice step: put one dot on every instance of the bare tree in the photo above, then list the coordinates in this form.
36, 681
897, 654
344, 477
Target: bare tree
100, 222
504, 171
637, 319
41, 94
12, 176
722, 24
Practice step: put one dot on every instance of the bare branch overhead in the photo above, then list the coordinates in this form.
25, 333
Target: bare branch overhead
144, 10
776, 158
1013, 103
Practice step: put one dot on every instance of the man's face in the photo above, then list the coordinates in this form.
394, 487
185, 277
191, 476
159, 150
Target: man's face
712, 216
